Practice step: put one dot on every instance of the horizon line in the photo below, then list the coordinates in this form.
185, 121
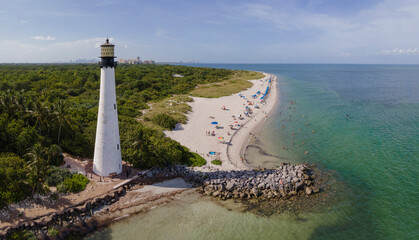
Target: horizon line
199, 63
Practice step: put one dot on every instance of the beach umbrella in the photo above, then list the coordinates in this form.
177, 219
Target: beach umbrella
216, 123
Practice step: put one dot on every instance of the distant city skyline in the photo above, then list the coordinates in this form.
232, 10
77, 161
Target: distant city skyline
266, 31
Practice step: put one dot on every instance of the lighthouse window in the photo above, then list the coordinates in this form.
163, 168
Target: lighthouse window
117, 146
114, 106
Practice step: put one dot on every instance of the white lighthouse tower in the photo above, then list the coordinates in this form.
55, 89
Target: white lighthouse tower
107, 157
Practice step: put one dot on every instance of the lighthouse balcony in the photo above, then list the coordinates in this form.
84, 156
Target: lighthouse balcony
107, 63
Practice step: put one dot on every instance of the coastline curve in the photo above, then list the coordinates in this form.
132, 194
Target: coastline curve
250, 127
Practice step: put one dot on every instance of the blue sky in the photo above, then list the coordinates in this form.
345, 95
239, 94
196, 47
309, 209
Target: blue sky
229, 31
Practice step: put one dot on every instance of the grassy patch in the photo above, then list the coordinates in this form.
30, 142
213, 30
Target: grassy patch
237, 83
196, 160
52, 232
216, 162
175, 107
75, 184
165, 121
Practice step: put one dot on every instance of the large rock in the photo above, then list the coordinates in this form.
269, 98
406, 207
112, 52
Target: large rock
309, 190
230, 186
255, 191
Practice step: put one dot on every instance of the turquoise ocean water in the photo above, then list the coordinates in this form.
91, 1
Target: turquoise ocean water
373, 154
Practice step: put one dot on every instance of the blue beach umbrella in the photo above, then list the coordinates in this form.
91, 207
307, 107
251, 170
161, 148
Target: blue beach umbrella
216, 123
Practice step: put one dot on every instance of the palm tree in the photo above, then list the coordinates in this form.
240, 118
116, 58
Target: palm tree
20, 101
55, 155
6, 102
39, 112
60, 114
38, 165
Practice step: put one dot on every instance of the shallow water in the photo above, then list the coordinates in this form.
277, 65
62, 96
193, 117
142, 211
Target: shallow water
196, 217
374, 155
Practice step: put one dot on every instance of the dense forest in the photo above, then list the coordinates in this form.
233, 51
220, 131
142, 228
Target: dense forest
49, 109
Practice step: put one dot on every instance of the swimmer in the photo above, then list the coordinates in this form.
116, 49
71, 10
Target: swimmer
306, 153
347, 116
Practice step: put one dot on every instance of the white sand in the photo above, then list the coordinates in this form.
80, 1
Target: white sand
230, 149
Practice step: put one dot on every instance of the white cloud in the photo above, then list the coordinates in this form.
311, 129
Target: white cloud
365, 33
16, 51
160, 33
42, 38
82, 43
106, 3
385, 52
214, 22
398, 51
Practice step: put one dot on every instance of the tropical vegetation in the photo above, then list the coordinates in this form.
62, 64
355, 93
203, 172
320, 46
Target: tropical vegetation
46, 110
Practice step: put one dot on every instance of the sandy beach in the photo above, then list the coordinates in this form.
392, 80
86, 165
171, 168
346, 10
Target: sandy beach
220, 128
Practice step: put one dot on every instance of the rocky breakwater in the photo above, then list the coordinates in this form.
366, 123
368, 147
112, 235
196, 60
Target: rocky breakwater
283, 182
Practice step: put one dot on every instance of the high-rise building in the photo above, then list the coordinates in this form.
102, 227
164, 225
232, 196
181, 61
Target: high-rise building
107, 157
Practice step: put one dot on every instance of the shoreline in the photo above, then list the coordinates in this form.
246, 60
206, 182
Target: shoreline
253, 127
230, 135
